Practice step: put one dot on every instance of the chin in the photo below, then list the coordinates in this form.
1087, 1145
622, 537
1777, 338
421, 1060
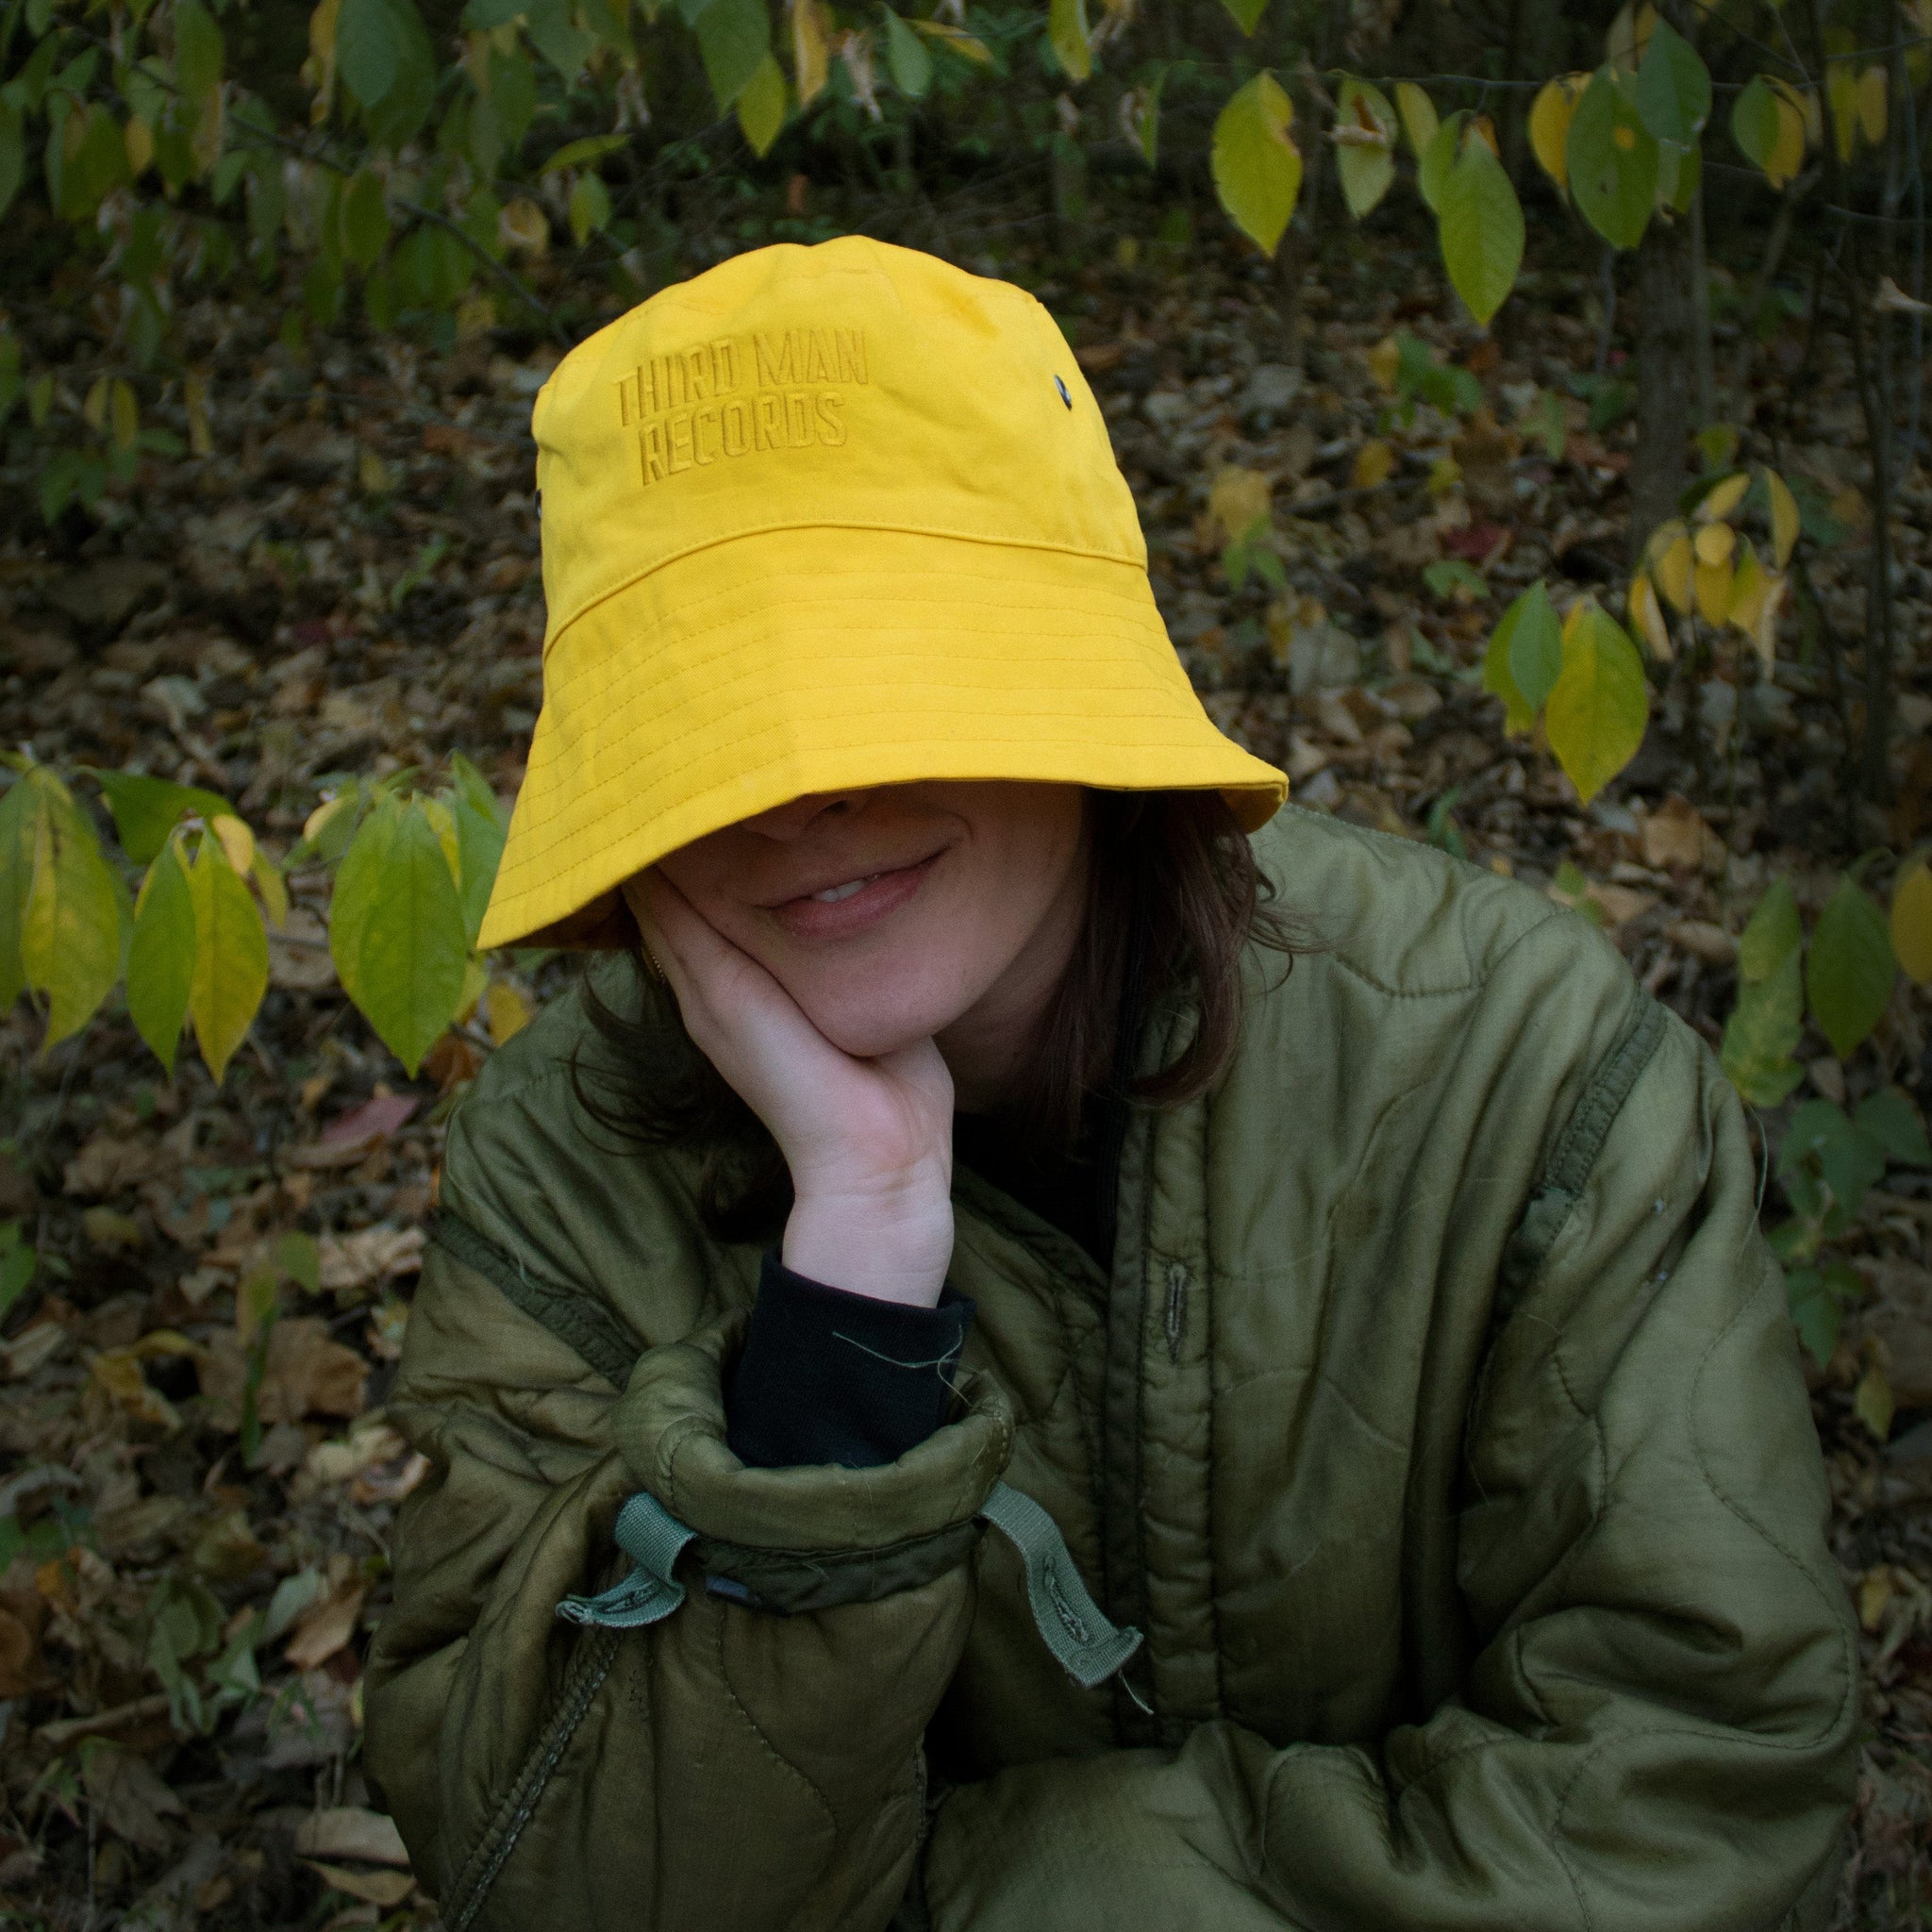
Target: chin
871, 1021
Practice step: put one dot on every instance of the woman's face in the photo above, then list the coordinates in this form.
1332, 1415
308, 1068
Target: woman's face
894, 913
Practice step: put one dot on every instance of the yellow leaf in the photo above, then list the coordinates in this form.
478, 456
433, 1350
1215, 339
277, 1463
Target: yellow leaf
1712, 586
506, 1011
761, 107
1874, 93
201, 440
1257, 168
1629, 35
124, 413
230, 956
94, 410
1385, 360
116, 1372
1649, 616
70, 924
1066, 32
1549, 129
1872, 1402
1375, 462
1722, 500
1911, 920
524, 226
1600, 705
238, 842
1750, 584
1848, 506
140, 141
1787, 154
1715, 542
313, 823
318, 70
1784, 516
1673, 571
811, 48
1419, 118
373, 474
960, 42
1239, 500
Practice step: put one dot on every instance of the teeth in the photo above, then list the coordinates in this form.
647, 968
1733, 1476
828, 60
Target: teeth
832, 895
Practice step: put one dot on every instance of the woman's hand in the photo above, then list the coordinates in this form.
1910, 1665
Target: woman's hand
869, 1142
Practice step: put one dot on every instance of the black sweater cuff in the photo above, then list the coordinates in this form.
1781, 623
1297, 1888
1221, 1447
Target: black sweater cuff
827, 1376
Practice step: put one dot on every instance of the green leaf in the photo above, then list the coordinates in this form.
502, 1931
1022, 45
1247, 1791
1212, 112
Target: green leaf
576, 154
1246, 13
1433, 164
70, 936
590, 207
146, 809
1772, 935
1601, 702
1257, 169
1536, 647
1891, 1119
230, 956
907, 59
1850, 968
1067, 34
297, 1257
482, 825
1755, 120
1481, 230
13, 153
734, 37
761, 107
1612, 162
369, 48
1818, 1301
396, 930
1364, 170
17, 1261
1762, 1034
559, 39
197, 50
1519, 714
364, 219
20, 810
1673, 88
161, 962
1849, 1159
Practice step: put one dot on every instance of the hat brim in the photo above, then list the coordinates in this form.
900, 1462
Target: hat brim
771, 665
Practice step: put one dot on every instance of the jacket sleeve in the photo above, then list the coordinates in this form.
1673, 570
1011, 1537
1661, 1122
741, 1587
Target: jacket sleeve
725, 1767
1657, 1733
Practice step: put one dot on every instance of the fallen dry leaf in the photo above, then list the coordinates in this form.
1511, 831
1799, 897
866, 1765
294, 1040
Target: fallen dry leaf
349, 1831
327, 1628
130, 1796
304, 1373
353, 1261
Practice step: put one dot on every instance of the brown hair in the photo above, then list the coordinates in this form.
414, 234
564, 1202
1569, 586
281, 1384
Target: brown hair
1173, 896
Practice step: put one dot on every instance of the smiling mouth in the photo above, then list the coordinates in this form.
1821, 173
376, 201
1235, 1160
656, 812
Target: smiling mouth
832, 895
839, 910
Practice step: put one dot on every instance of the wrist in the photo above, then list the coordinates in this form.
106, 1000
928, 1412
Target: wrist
890, 1238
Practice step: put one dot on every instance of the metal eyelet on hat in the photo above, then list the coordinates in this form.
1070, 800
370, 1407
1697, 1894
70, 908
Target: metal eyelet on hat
1066, 395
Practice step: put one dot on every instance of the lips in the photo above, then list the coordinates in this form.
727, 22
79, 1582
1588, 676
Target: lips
847, 906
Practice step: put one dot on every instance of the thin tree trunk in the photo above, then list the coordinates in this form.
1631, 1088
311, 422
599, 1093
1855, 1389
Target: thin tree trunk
1666, 374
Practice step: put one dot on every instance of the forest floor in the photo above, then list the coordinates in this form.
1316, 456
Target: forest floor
350, 584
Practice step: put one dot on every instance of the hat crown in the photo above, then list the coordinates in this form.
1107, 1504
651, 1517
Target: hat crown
853, 385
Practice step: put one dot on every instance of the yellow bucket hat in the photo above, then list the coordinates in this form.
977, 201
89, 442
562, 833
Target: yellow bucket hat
823, 518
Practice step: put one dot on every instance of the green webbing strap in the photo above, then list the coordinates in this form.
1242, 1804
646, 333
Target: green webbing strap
654, 1539
1090, 1649
1087, 1646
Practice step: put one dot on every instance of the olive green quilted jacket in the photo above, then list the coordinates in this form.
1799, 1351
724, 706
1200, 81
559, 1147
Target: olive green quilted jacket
1440, 1431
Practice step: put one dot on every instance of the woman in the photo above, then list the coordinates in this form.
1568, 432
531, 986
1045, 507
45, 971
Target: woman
986, 1396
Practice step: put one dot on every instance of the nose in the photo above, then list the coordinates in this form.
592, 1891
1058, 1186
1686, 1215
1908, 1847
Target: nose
792, 821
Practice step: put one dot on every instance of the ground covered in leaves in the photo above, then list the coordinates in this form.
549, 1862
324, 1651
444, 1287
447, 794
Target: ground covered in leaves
350, 584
